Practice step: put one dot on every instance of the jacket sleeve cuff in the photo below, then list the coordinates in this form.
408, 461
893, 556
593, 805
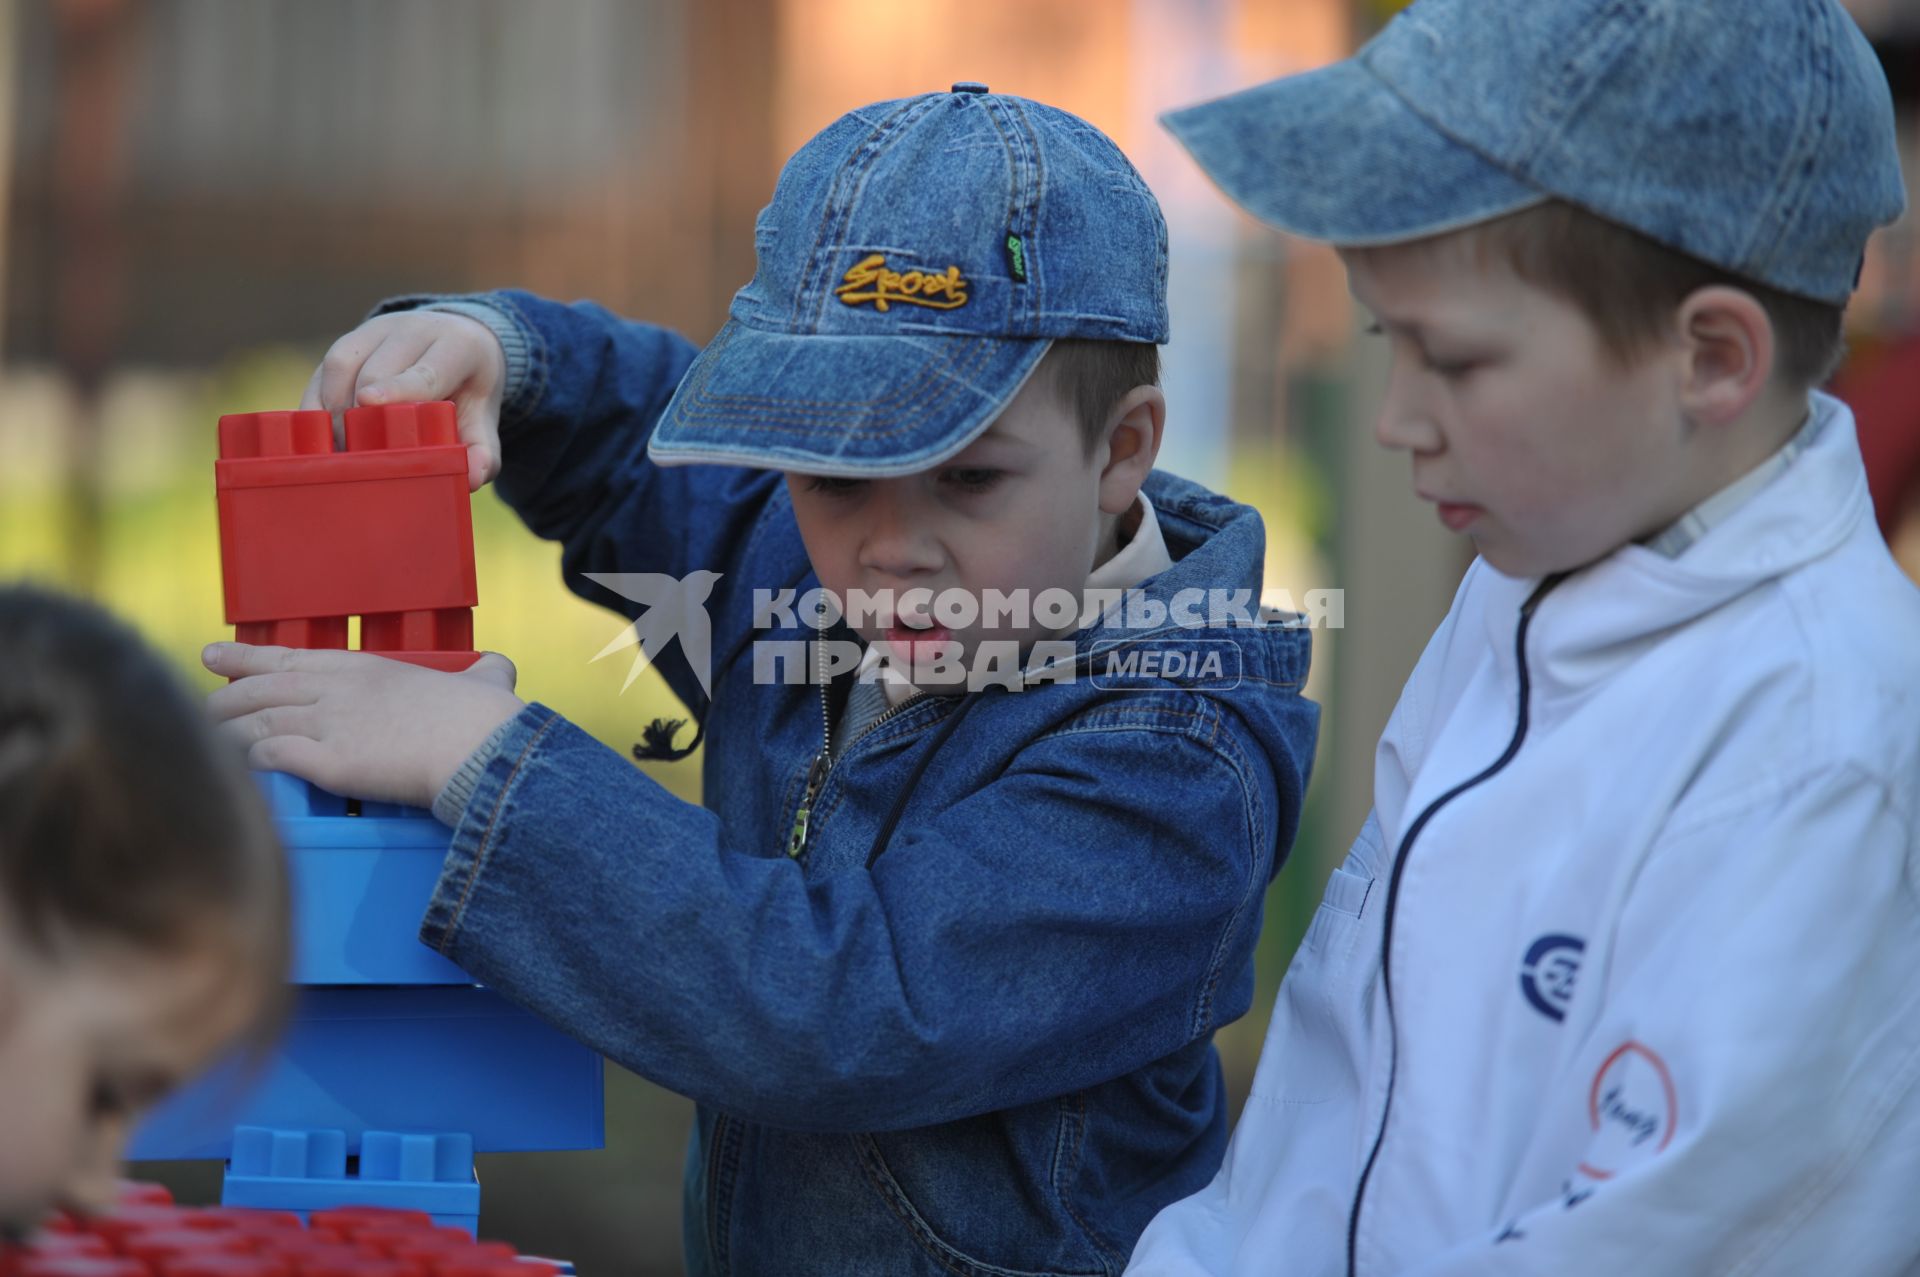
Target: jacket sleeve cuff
513, 743
451, 802
516, 340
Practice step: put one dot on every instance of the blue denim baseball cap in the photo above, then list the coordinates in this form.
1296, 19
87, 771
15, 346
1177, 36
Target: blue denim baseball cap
1757, 136
918, 258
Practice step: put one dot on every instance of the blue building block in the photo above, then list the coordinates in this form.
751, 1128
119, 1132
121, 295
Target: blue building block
360, 886
306, 1170
394, 1057
421, 1059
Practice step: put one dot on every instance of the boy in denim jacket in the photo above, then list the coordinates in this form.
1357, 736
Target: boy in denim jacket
941, 966
1619, 976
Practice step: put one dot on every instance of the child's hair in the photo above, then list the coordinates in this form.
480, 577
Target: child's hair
1628, 286
1091, 375
124, 816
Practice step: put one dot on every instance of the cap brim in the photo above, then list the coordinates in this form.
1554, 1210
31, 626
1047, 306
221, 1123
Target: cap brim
858, 407
1334, 154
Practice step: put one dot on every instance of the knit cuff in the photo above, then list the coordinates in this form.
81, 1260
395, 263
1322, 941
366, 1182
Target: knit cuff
512, 338
514, 341
451, 802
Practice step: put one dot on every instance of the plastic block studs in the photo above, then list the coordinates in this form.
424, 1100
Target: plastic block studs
306, 1171
137, 1239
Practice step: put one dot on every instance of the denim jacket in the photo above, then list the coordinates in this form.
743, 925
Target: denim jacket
990, 1050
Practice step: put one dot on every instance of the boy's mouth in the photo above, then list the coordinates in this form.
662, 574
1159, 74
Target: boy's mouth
1455, 515
910, 641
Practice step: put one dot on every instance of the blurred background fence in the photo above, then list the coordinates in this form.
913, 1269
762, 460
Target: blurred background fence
200, 194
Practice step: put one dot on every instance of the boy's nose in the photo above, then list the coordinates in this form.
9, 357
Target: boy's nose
93, 1182
1405, 422
897, 543
899, 555
93, 1185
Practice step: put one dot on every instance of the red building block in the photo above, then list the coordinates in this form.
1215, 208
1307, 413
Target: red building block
230, 1265
384, 531
133, 1192
82, 1266
153, 1247
144, 1238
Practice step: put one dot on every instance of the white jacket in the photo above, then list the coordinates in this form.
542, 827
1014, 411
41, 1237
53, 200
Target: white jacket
1656, 979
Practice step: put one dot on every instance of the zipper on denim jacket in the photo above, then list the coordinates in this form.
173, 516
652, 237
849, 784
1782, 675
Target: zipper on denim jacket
822, 762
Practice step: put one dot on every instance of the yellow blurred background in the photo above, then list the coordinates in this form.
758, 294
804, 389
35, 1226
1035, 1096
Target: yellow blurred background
201, 194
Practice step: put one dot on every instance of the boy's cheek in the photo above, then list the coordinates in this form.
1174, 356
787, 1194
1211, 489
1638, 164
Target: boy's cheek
33, 1157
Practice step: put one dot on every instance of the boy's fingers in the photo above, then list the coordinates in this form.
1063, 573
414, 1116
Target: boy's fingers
310, 397
310, 401
235, 660
483, 463
339, 372
480, 431
405, 369
300, 755
415, 382
274, 720
239, 660
244, 696
494, 668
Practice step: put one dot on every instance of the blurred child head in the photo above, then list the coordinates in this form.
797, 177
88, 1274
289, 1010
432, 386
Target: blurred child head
143, 898
1609, 244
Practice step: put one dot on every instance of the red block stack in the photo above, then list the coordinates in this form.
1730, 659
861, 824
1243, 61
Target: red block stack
384, 531
148, 1236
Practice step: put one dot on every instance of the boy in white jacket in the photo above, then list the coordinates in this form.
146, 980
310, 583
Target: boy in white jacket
1620, 976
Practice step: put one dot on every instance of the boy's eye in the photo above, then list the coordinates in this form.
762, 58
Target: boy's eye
971, 478
130, 1094
835, 486
107, 1099
1451, 368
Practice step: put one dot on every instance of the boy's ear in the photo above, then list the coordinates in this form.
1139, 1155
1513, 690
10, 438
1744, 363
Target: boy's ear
1131, 443
1727, 341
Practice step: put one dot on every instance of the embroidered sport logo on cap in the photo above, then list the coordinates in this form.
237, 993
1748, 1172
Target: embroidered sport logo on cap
869, 280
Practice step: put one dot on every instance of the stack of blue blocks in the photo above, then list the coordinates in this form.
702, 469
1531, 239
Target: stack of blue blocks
396, 1068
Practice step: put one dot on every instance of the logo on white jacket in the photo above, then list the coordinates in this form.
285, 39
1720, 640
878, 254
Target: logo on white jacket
1632, 1107
1548, 972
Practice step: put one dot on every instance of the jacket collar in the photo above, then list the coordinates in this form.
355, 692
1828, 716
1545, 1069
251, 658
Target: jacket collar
1603, 615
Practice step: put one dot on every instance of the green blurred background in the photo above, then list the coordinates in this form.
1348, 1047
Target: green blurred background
201, 194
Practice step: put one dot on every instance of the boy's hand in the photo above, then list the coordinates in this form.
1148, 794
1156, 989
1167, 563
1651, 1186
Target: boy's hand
415, 356
355, 724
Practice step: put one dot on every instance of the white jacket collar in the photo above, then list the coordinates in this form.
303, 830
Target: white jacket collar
1602, 615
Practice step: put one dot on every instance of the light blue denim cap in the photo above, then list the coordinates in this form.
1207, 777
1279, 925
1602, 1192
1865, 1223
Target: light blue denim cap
1756, 135
918, 258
